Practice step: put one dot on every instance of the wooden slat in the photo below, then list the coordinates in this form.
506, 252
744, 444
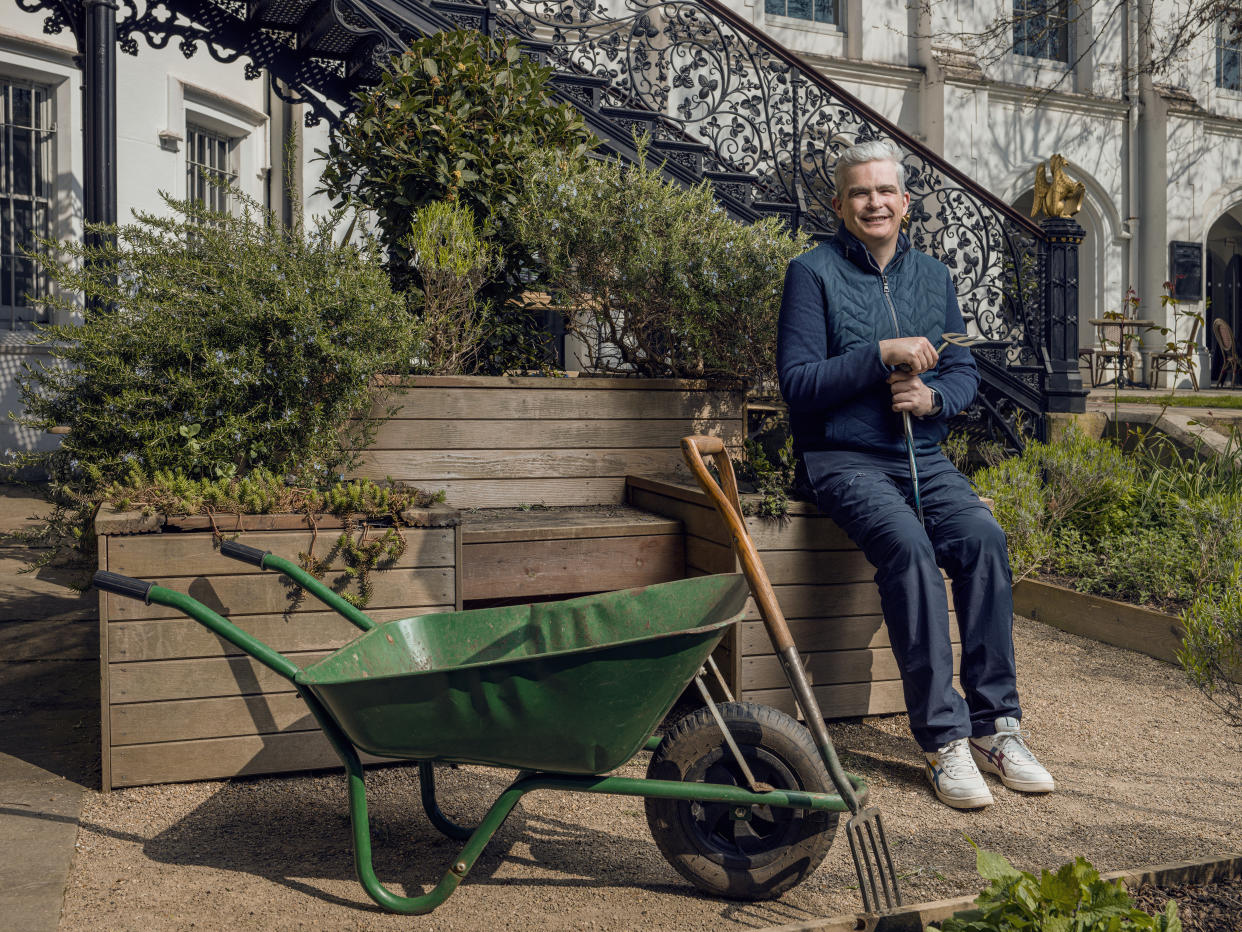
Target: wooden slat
834, 601
700, 520
434, 467
199, 678
707, 555
267, 595
848, 633
496, 525
187, 719
828, 667
563, 403
848, 700
798, 532
792, 567
584, 381
543, 434
1130, 626
183, 638
196, 555
502, 570
221, 758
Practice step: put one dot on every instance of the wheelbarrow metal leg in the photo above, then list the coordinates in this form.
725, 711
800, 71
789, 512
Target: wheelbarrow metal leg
427, 790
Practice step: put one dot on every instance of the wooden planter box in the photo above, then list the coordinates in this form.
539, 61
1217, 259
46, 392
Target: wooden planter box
180, 703
512, 441
825, 587
1092, 616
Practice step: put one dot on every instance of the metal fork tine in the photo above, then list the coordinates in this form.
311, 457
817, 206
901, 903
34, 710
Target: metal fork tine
858, 858
872, 831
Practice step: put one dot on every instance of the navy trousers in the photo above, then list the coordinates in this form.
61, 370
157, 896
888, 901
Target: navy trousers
875, 507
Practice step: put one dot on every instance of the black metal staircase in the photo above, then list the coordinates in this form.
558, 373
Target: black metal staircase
721, 101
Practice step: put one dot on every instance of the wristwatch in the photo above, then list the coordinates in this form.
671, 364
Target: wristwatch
937, 403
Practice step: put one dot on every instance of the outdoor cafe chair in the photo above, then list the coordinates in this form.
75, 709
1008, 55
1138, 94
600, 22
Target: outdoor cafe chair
1179, 360
1228, 351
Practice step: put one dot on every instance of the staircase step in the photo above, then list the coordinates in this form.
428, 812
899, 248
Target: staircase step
367, 61
682, 152
585, 90
781, 209
322, 35
738, 186
278, 14
464, 15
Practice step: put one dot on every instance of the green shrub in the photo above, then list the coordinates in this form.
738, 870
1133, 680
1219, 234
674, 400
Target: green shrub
452, 262
1074, 899
666, 283
1211, 650
1019, 504
454, 118
234, 344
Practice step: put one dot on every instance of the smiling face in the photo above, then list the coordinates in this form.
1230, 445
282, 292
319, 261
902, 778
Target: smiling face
871, 204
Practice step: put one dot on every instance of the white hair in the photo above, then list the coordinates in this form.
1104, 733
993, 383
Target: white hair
873, 150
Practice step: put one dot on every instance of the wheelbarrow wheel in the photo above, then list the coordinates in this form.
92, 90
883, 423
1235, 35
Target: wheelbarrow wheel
768, 850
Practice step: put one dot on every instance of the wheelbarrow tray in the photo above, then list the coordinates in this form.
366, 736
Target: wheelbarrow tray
575, 686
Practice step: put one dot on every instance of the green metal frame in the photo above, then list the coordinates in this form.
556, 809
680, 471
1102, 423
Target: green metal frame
476, 840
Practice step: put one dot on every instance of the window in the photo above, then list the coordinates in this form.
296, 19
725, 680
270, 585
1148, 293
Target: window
817, 11
26, 172
209, 157
1229, 56
1041, 29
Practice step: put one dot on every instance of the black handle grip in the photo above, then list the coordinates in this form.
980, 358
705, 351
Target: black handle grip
124, 585
231, 548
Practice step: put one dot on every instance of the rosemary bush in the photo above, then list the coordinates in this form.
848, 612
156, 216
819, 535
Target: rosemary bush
234, 343
666, 283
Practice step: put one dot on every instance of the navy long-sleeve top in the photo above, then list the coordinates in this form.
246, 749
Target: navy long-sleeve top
836, 308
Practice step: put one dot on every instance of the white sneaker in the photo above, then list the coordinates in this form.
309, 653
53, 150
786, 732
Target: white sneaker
1006, 755
955, 778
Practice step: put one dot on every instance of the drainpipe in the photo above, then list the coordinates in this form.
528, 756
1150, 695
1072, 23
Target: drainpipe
1129, 207
99, 117
1153, 183
932, 90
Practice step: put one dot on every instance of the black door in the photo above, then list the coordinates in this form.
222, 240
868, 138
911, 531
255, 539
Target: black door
1224, 291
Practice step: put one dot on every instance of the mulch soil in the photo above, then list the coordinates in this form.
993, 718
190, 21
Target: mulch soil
1211, 907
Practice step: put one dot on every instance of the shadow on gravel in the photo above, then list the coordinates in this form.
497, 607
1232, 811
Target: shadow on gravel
285, 831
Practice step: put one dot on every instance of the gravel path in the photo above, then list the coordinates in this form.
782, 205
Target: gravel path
1147, 773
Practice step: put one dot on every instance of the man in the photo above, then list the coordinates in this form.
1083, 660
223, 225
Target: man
861, 318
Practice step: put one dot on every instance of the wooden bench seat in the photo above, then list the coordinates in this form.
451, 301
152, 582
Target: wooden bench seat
514, 554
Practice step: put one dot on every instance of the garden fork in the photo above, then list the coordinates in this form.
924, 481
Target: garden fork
873, 862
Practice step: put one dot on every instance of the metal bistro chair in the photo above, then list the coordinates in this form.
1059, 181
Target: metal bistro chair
1178, 359
1228, 350
1113, 349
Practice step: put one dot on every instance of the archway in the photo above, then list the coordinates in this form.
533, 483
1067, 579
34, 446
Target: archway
1224, 278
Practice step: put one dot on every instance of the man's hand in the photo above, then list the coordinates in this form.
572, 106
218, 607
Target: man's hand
913, 353
910, 394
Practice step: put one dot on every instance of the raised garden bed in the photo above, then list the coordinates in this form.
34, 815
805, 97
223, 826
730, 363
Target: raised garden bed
1121, 624
511, 441
178, 702
825, 587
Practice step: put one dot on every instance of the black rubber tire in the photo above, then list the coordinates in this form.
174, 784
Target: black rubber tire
776, 849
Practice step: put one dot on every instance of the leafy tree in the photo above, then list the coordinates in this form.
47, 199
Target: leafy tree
454, 118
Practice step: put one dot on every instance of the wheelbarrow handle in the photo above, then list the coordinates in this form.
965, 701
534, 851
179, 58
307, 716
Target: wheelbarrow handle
149, 592
266, 560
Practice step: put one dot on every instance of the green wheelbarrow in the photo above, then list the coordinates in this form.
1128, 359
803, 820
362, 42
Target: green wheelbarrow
736, 795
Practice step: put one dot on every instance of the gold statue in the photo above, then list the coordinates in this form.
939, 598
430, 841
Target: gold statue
1060, 197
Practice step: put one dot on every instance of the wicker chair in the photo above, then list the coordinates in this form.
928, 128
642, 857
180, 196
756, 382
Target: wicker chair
1176, 360
1228, 351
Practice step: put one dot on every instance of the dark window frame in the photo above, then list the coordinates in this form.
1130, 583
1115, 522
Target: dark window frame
1042, 29
210, 154
825, 12
1228, 58
27, 196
